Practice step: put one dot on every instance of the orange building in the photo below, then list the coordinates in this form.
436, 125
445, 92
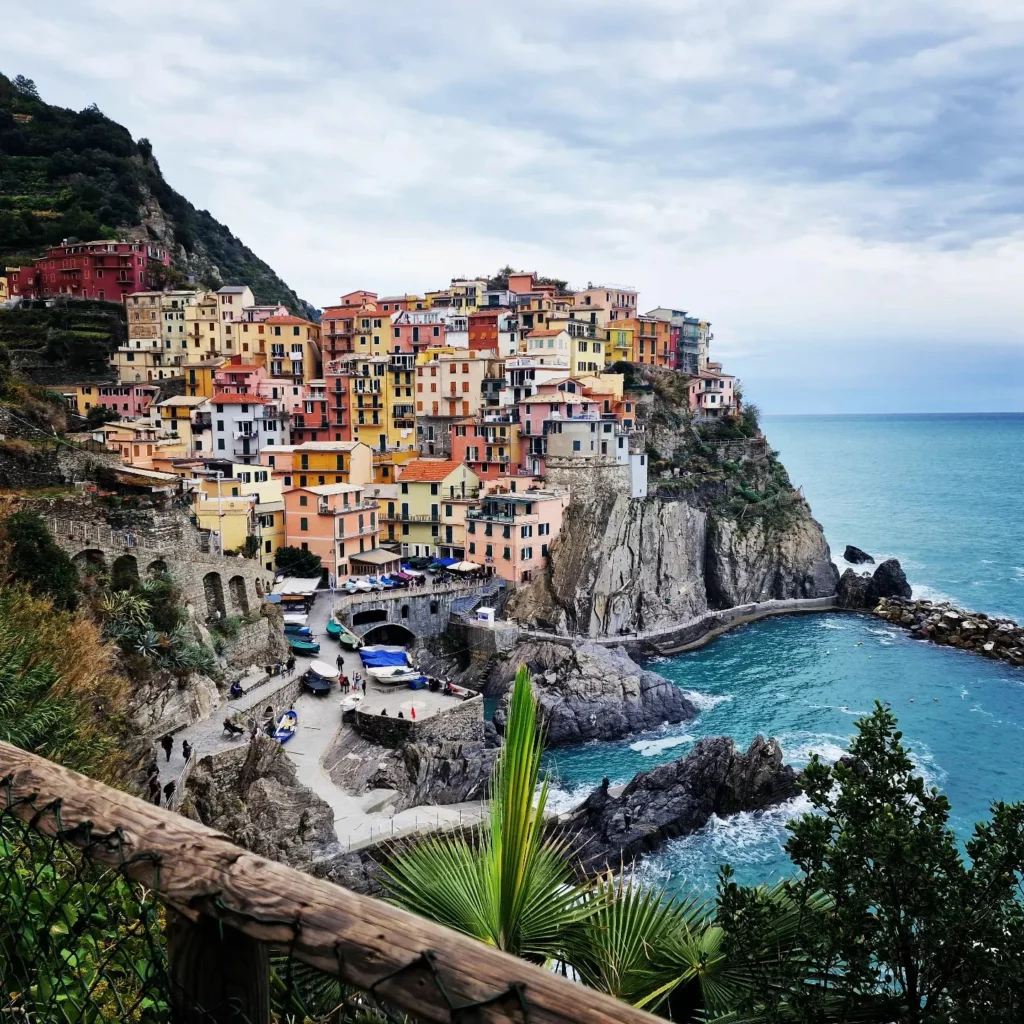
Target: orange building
335, 522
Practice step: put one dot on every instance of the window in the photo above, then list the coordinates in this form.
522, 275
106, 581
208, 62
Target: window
220, 444
527, 554
489, 550
472, 547
507, 554
575, 446
304, 524
405, 488
525, 531
543, 551
433, 607
448, 511
433, 488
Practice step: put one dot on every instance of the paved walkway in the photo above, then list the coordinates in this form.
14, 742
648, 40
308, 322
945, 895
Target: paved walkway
359, 819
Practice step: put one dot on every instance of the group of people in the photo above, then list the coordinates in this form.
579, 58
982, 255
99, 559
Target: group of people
153, 771
354, 685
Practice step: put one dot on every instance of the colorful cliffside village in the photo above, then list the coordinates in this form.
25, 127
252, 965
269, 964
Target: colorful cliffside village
449, 425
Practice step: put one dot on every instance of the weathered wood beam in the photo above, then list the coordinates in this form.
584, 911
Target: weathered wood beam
367, 943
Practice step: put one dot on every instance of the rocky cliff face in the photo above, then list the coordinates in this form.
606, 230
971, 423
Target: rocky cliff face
619, 566
678, 798
635, 565
762, 563
588, 692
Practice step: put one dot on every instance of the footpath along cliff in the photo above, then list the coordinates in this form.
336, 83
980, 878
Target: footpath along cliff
721, 526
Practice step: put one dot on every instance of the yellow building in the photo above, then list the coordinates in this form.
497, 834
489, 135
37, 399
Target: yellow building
294, 349
449, 382
586, 356
202, 328
425, 509
199, 376
387, 465
619, 346
371, 404
265, 494
232, 519
318, 463
178, 419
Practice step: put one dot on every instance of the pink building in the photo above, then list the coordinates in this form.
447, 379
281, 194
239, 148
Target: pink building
713, 395
490, 445
287, 392
335, 522
309, 421
511, 533
129, 401
238, 378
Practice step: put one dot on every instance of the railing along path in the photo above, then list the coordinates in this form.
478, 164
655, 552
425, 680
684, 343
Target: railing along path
228, 909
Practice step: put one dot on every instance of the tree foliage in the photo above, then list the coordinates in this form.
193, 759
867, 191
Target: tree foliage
915, 932
297, 562
100, 414
37, 561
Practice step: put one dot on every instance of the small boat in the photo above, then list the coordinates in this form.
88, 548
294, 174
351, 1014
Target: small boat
393, 674
319, 678
334, 628
351, 701
303, 632
286, 725
295, 618
303, 647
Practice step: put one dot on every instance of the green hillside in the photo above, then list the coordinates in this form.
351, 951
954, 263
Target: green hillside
68, 174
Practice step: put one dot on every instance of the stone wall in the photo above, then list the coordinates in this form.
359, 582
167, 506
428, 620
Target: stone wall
589, 481
462, 722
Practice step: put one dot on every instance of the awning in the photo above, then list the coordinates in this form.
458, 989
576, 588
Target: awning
465, 567
297, 586
376, 557
445, 562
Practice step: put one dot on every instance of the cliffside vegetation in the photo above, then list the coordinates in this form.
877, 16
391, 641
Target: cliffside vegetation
78, 174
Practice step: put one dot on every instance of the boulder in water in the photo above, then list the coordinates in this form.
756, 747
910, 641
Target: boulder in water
857, 556
678, 798
861, 590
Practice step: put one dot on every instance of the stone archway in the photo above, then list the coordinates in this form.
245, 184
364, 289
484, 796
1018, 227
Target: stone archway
91, 557
213, 589
124, 573
239, 599
389, 633
371, 615
156, 567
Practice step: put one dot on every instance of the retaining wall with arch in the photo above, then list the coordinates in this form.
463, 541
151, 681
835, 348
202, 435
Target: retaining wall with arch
215, 585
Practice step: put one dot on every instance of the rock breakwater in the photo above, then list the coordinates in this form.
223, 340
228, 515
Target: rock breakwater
945, 624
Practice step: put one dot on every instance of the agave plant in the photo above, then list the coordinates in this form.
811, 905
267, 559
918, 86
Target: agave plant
125, 606
512, 887
148, 643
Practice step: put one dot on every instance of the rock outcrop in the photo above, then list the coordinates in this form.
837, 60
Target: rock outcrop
620, 565
757, 563
678, 798
442, 772
623, 565
254, 796
864, 590
944, 624
589, 692
857, 556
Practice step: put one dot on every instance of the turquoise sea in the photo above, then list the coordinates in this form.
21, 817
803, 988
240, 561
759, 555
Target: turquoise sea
945, 495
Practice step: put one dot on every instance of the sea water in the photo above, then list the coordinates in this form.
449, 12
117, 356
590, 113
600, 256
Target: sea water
945, 496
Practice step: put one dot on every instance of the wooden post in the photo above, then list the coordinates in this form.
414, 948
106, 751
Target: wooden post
218, 975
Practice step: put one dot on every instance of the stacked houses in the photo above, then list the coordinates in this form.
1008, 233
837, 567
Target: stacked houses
453, 424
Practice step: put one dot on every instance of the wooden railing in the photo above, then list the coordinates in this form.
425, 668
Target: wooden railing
213, 888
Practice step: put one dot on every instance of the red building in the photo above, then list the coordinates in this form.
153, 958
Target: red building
107, 270
483, 330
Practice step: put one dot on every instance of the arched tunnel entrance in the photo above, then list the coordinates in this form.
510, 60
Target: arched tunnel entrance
389, 633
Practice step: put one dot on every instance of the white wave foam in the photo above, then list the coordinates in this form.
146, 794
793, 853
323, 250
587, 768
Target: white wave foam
648, 748
562, 799
922, 592
797, 747
706, 701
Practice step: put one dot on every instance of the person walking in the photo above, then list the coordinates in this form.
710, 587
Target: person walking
290, 663
154, 790
364, 686
186, 749
340, 663
169, 791
168, 744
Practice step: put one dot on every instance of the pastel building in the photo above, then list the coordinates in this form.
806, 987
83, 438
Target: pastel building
318, 463
713, 395
294, 348
243, 424
511, 533
490, 445
424, 515
338, 522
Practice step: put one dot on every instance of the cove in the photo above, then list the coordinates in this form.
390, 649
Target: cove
806, 680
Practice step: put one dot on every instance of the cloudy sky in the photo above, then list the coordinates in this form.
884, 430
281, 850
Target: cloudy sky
838, 186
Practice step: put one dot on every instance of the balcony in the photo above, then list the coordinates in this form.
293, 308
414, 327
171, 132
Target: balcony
399, 518
249, 435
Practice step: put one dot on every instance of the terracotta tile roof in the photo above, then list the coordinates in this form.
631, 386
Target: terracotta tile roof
233, 399
543, 334
287, 320
429, 470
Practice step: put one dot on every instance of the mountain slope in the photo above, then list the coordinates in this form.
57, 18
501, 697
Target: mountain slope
65, 174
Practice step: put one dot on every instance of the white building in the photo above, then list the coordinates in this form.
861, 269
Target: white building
242, 425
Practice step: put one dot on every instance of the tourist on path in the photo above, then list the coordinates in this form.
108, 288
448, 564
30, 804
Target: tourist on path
290, 663
168, 744
364, 687
341, 663
169, 791
186, 749
154, 790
